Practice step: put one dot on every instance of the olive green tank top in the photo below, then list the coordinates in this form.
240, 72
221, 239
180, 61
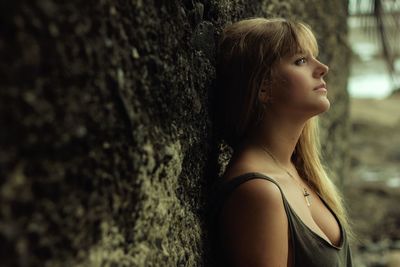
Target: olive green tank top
309, 249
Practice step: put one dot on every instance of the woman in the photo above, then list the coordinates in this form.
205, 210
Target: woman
277, 205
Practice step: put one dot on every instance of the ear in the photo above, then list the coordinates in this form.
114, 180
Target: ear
264, 93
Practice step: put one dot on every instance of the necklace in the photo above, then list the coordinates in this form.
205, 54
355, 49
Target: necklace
304, 189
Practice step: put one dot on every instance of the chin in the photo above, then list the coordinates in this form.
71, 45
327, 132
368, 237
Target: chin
326, 105
322, 107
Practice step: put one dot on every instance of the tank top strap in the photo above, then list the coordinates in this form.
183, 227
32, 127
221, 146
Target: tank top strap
227, 187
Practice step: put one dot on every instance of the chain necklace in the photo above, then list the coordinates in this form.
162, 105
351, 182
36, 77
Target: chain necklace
304, 191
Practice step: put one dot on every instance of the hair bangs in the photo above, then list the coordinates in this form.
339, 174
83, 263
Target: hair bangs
296, 38
306, 40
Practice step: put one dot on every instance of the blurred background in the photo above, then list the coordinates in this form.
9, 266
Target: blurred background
373, 188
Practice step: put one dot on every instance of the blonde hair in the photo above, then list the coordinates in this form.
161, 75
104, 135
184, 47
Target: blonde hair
247, 54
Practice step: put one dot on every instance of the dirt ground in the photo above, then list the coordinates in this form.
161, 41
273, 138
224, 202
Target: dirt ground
372, 190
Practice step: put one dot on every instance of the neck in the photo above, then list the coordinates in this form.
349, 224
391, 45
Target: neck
279, 137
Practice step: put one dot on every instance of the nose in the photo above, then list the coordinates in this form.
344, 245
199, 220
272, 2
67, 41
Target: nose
321, 70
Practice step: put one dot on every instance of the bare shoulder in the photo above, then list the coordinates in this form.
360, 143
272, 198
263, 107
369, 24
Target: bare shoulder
254, 227
256, 194
260, 190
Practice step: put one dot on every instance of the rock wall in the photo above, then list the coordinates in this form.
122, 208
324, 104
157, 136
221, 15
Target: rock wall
107, 151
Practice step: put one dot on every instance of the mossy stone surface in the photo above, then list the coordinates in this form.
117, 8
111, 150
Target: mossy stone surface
107, 148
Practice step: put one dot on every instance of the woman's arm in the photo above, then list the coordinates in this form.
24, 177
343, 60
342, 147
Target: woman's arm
254, 226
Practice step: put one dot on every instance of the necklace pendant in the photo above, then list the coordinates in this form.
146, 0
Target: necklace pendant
305, 193
307, 197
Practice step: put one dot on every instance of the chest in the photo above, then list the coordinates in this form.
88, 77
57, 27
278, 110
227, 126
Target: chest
318, 217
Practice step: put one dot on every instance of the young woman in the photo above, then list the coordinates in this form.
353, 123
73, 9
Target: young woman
277, 206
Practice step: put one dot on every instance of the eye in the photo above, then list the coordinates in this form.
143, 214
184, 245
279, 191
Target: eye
300, 61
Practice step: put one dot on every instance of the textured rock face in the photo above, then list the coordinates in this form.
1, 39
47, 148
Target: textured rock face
107, 150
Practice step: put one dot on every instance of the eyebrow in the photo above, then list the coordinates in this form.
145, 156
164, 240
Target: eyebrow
298, 54
303, 52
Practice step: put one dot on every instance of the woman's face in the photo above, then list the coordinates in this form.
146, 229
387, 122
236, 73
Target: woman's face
299, 86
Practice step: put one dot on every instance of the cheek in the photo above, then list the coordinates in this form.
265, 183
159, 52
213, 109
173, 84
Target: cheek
281, 83
296, 79
300, 82
290, 86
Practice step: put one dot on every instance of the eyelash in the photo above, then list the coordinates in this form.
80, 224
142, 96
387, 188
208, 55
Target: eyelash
297, 62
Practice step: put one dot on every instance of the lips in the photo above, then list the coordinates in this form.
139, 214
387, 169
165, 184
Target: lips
322, 85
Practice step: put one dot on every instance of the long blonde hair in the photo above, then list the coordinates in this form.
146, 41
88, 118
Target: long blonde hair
247, 53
